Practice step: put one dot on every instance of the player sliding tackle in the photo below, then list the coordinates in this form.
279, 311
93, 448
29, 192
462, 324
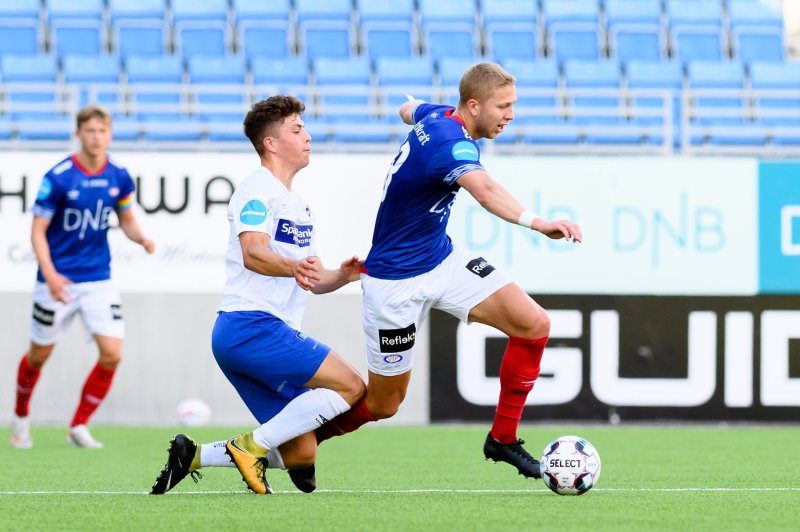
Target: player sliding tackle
289, 381
413, 266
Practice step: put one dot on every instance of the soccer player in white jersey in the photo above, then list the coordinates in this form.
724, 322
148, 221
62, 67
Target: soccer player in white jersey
413, 266
290, 382
71, 217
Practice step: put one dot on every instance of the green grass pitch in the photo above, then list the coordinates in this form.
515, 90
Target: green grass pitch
415, 479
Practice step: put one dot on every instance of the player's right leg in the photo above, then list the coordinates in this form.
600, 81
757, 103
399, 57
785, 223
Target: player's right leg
30, 367
183, 458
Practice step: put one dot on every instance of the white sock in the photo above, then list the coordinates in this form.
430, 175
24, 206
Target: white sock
274, 459
303, 414
213, 455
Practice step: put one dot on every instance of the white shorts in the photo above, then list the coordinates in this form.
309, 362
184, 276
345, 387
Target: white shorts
393, 310
97, 302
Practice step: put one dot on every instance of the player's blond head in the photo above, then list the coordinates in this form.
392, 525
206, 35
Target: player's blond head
92, 111
265, 116
481, 80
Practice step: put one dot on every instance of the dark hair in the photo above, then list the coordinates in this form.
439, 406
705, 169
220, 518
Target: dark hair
264, 117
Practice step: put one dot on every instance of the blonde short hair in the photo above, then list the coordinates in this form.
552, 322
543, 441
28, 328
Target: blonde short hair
92, 111
481, 80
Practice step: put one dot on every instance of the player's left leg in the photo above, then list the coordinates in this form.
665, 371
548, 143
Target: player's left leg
95, 389
527, 324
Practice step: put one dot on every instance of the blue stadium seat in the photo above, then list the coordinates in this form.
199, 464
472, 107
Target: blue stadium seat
326, 39
152, 102
388, 39
6, 128
19, 36
207, 10
132, 37
575, 41
650, 110
570, 12
450, 40
267, 38
323, 10
181, 128
90, 72
446, 12
632, 12
361, 130
336, 72
452, 68
534, 75
717, 75
503, 11
217, 105
750, 13
636, 42
74, 9
697, 43
694, 12
776, 76
261, 11
136, 9
201, 38
604, 74
505, 40
38, 103
20, 9
757, 43
400, 76
78, 37
291, 71
385, 11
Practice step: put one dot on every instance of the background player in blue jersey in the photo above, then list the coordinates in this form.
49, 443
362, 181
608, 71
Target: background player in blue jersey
289, 381
71, 217
413, 266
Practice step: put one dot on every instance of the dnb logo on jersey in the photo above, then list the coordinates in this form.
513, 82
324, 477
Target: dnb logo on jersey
253, 213
465, 151
291, 233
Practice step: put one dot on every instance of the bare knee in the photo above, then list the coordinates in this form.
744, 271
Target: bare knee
110, 359
38, 355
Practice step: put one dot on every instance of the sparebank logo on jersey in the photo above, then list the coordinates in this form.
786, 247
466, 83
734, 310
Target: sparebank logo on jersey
253, 213
291, 233
465, 151
45, 189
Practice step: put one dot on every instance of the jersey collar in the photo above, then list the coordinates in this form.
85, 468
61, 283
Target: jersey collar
449, 114
77, 163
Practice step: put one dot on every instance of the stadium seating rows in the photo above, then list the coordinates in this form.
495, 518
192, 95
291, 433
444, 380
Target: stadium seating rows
190, 69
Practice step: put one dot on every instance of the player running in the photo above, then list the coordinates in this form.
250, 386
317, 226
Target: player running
413, 266
71, 217
290, 382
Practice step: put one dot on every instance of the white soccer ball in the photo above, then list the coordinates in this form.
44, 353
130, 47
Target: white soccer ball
570, 465
193, 413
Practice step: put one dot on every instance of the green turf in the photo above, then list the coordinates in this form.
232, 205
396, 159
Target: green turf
416, 479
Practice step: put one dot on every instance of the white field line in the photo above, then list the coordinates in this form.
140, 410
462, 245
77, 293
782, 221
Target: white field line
391, 491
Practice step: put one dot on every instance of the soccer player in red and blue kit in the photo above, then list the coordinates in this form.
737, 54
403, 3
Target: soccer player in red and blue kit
71, 217
413, 265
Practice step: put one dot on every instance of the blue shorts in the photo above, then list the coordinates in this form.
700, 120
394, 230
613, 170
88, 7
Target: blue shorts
267, 361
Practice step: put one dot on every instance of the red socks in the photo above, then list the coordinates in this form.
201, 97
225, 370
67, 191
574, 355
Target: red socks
518, 372
94, 391
346, 422
26, 380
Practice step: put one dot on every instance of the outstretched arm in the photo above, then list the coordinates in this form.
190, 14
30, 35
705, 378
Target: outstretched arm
331, 280
497, 200
408, 108
129, 226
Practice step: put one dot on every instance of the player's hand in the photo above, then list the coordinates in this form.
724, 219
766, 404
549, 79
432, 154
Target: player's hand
559, 229
149, 246
57, 285
306, 272
351, 269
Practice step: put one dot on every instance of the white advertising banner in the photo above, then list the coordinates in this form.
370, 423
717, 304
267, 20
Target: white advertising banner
651, 225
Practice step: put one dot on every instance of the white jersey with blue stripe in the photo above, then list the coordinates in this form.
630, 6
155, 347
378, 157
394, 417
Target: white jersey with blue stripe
79, 204
263, 204
410, 230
